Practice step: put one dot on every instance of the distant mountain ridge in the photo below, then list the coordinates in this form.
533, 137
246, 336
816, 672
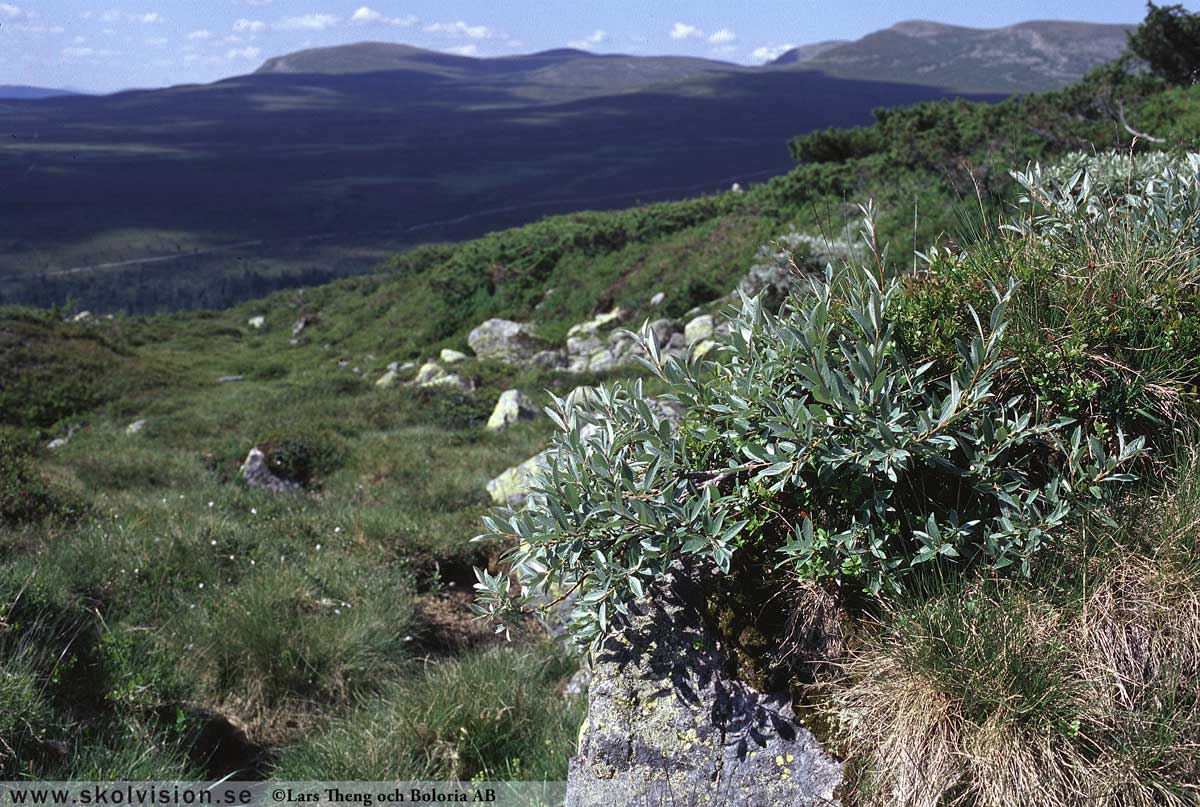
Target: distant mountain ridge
1027, 57
554, 75
22, 92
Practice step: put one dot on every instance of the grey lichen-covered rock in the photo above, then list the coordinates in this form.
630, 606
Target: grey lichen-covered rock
256, 474
666, 725
513, 405
257, 323
512, 487
388, 379
506, 341
449, 356
597, 323
699, 329
303, 322
548, 360
136, 427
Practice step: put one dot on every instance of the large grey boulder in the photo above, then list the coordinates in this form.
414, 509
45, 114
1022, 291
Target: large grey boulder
256, 474
513, 405
512, 487
667, 725
699, 329
506, 341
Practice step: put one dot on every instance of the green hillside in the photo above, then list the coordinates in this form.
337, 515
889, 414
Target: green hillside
161, 618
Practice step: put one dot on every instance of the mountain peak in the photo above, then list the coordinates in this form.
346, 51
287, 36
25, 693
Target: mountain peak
1030, 56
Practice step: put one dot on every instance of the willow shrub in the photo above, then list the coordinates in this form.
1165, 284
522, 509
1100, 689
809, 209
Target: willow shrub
812, 436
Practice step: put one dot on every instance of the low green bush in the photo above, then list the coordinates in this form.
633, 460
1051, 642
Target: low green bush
26, 497
814, 437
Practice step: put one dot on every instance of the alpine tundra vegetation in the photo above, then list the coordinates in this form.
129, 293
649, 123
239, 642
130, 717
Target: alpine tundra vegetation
901, 446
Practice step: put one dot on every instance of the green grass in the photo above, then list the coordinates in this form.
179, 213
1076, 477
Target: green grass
142, 586
499, 714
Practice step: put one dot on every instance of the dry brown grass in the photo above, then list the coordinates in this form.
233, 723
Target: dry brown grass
1009, 694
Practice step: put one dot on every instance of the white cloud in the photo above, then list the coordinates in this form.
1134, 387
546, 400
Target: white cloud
682, 30
460, 28
308, 22
157, 41
113, 15
369, 16
249, 26
203, 33
258, 2
242, 53
723, 50
365, 14
464, 50
75, 54
597, 37
10, 12
722, 37
768, 53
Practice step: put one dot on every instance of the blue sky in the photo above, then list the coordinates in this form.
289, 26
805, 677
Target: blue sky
103, 45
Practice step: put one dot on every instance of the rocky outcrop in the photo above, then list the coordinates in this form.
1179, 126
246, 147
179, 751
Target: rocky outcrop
513, 405
506, 341
667, 725
256, 474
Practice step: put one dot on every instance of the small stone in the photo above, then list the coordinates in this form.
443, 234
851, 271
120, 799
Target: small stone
256, 474
513, 405
449, 356
303, 322
257, 323
658, 299
230, 379
135, 427
82, 316
583, 345
662, 330
428, 373
387, 380
596, 323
